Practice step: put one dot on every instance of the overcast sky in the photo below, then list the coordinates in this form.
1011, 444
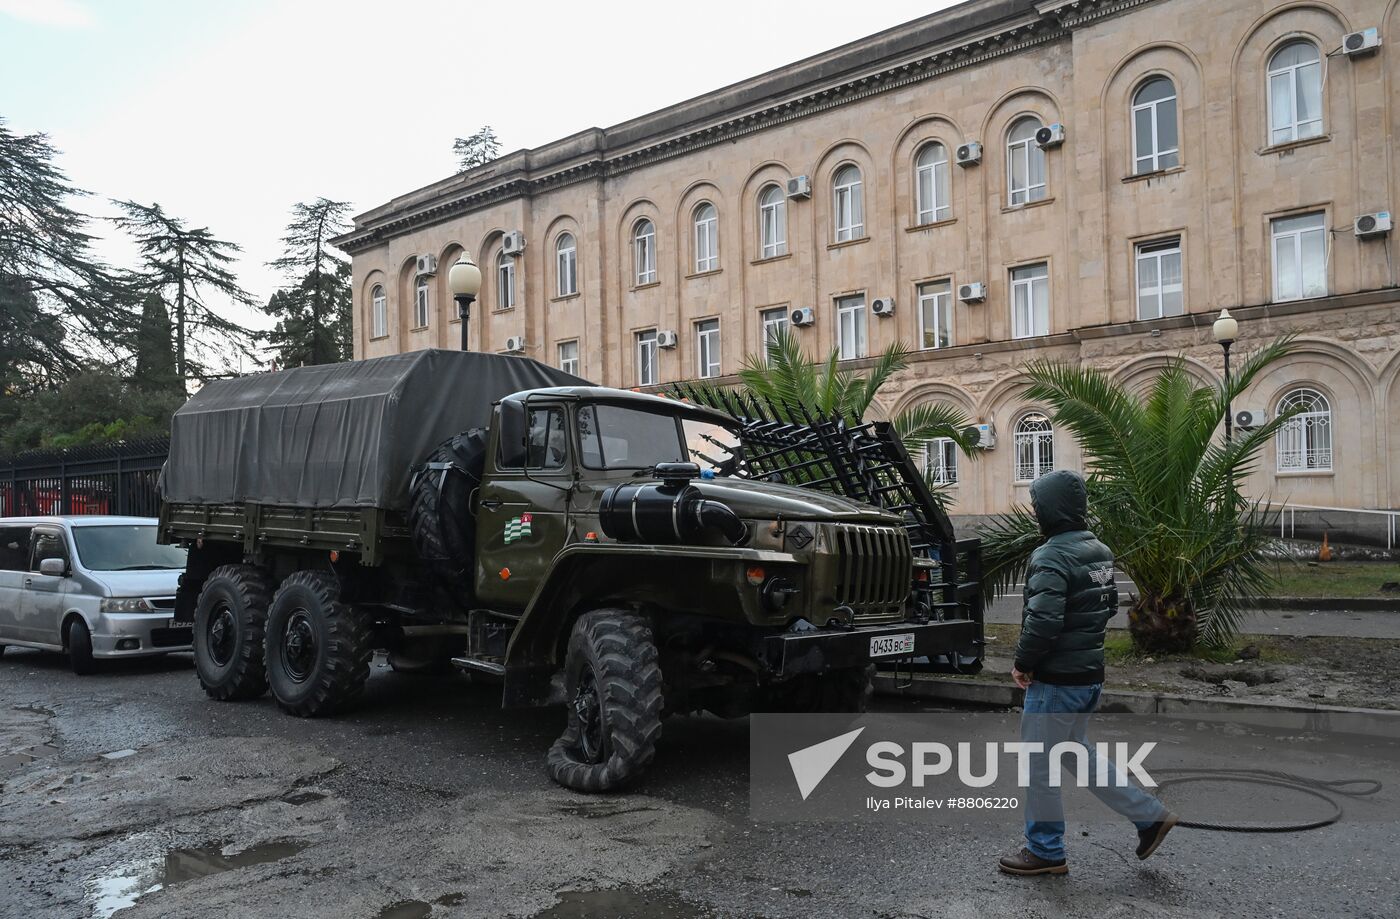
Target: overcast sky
228, 112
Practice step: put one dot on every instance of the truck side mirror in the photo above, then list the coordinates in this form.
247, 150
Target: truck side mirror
54, 567
513, 430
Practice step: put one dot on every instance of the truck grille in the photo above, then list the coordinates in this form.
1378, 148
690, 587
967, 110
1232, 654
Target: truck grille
873, 569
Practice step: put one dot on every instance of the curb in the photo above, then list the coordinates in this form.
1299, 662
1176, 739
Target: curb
1375, 722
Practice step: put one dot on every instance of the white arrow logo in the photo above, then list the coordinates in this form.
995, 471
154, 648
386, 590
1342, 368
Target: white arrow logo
811, 764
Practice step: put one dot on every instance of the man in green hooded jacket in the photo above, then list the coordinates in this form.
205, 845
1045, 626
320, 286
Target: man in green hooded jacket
1069, 597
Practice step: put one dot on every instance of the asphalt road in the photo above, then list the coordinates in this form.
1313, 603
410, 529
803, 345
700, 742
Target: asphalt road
431, 801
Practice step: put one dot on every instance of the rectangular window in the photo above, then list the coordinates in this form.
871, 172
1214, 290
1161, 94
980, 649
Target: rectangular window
14, 546
420, 305
568, 357
1030, 301
850, 327
772, 219
706, 240
646, 358
546, 443
1159, 279
707, 348
1300, 256
772, 322
941, 461
645, 254
935, 315
568, 268
379, 309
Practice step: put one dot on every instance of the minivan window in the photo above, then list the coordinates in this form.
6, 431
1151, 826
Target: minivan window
14, 548
48, 544
130, 547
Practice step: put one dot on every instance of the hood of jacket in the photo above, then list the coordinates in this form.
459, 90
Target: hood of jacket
1060, 502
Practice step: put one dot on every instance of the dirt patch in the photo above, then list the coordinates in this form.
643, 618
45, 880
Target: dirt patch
1360, 672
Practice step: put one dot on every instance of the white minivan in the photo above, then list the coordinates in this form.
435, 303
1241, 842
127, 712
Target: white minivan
95, 587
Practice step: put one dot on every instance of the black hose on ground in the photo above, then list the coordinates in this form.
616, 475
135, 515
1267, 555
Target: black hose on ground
1316, 788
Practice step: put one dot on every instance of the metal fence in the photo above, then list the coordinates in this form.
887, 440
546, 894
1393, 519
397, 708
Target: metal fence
120, 478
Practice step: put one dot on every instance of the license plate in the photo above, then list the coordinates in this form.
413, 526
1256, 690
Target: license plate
891, 645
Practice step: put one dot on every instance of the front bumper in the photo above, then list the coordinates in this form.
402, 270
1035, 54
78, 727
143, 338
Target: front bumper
819, 650
138, 634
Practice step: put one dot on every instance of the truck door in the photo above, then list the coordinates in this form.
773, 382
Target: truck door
522, 507
41, 609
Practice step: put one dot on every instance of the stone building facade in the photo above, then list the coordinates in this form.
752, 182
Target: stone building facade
1202, 155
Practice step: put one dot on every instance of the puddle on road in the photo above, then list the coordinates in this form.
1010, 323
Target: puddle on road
123, 886
405, 909
25, 757
622, 903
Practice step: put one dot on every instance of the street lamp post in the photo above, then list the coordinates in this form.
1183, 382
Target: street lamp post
1226, 329
464, 280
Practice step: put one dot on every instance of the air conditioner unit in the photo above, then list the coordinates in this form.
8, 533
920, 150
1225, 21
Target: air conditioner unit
513, 243
983, 436
515, 344
969, 154
427, 264
882, 306
666, 338
1052, 135
1358, 43
804, 316
1370, 225
799, 187
975, 292
1246, 418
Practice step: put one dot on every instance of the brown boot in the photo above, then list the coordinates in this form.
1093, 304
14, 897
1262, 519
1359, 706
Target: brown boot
1150, 838
1027, 862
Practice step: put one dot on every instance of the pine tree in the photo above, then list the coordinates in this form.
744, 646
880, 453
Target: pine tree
482, 147
154, 345
310, 313
186, 266
56, 298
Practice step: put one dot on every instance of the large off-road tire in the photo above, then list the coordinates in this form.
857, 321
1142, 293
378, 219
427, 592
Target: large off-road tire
613, 689
840, 691
80, 648
229, 623
318, 648
441, 521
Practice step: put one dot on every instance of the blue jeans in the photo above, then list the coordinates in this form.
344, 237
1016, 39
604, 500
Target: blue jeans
1045, 835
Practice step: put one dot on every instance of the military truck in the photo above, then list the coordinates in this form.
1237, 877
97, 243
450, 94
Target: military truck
626, 555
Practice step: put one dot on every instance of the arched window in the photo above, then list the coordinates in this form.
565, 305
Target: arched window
772, 222
1305, 440
931, 184
1034, 447
378, 312
706, 220
505, 281
1295, 93
1154, 127
1025, 163
848, 203
420, 303
566, 265
644, 251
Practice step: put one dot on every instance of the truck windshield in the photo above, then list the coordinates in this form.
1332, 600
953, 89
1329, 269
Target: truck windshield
612, 437
125, 548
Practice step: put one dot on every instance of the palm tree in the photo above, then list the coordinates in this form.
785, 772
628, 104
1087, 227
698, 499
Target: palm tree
786, 378
1162, 495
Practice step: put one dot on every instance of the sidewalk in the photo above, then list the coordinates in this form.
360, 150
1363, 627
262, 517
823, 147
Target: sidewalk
1345, 624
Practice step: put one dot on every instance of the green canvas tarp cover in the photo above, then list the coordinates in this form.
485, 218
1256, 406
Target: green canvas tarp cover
336, 435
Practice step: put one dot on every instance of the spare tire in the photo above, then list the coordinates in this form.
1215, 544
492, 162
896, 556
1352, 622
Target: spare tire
440, 513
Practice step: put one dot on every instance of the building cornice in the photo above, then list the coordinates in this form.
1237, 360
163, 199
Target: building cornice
590, 155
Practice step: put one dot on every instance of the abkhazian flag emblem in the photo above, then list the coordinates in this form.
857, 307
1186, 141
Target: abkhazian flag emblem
518, 527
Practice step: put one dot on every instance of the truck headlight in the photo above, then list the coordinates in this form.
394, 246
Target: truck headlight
124, 605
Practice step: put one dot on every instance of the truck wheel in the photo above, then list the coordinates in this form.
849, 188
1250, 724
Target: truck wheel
318, 648
229, 622
613, 687
80, 648
837, 691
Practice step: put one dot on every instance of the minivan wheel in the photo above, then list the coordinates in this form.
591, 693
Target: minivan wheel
229, 621
318, 648
613, 690
80, 648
